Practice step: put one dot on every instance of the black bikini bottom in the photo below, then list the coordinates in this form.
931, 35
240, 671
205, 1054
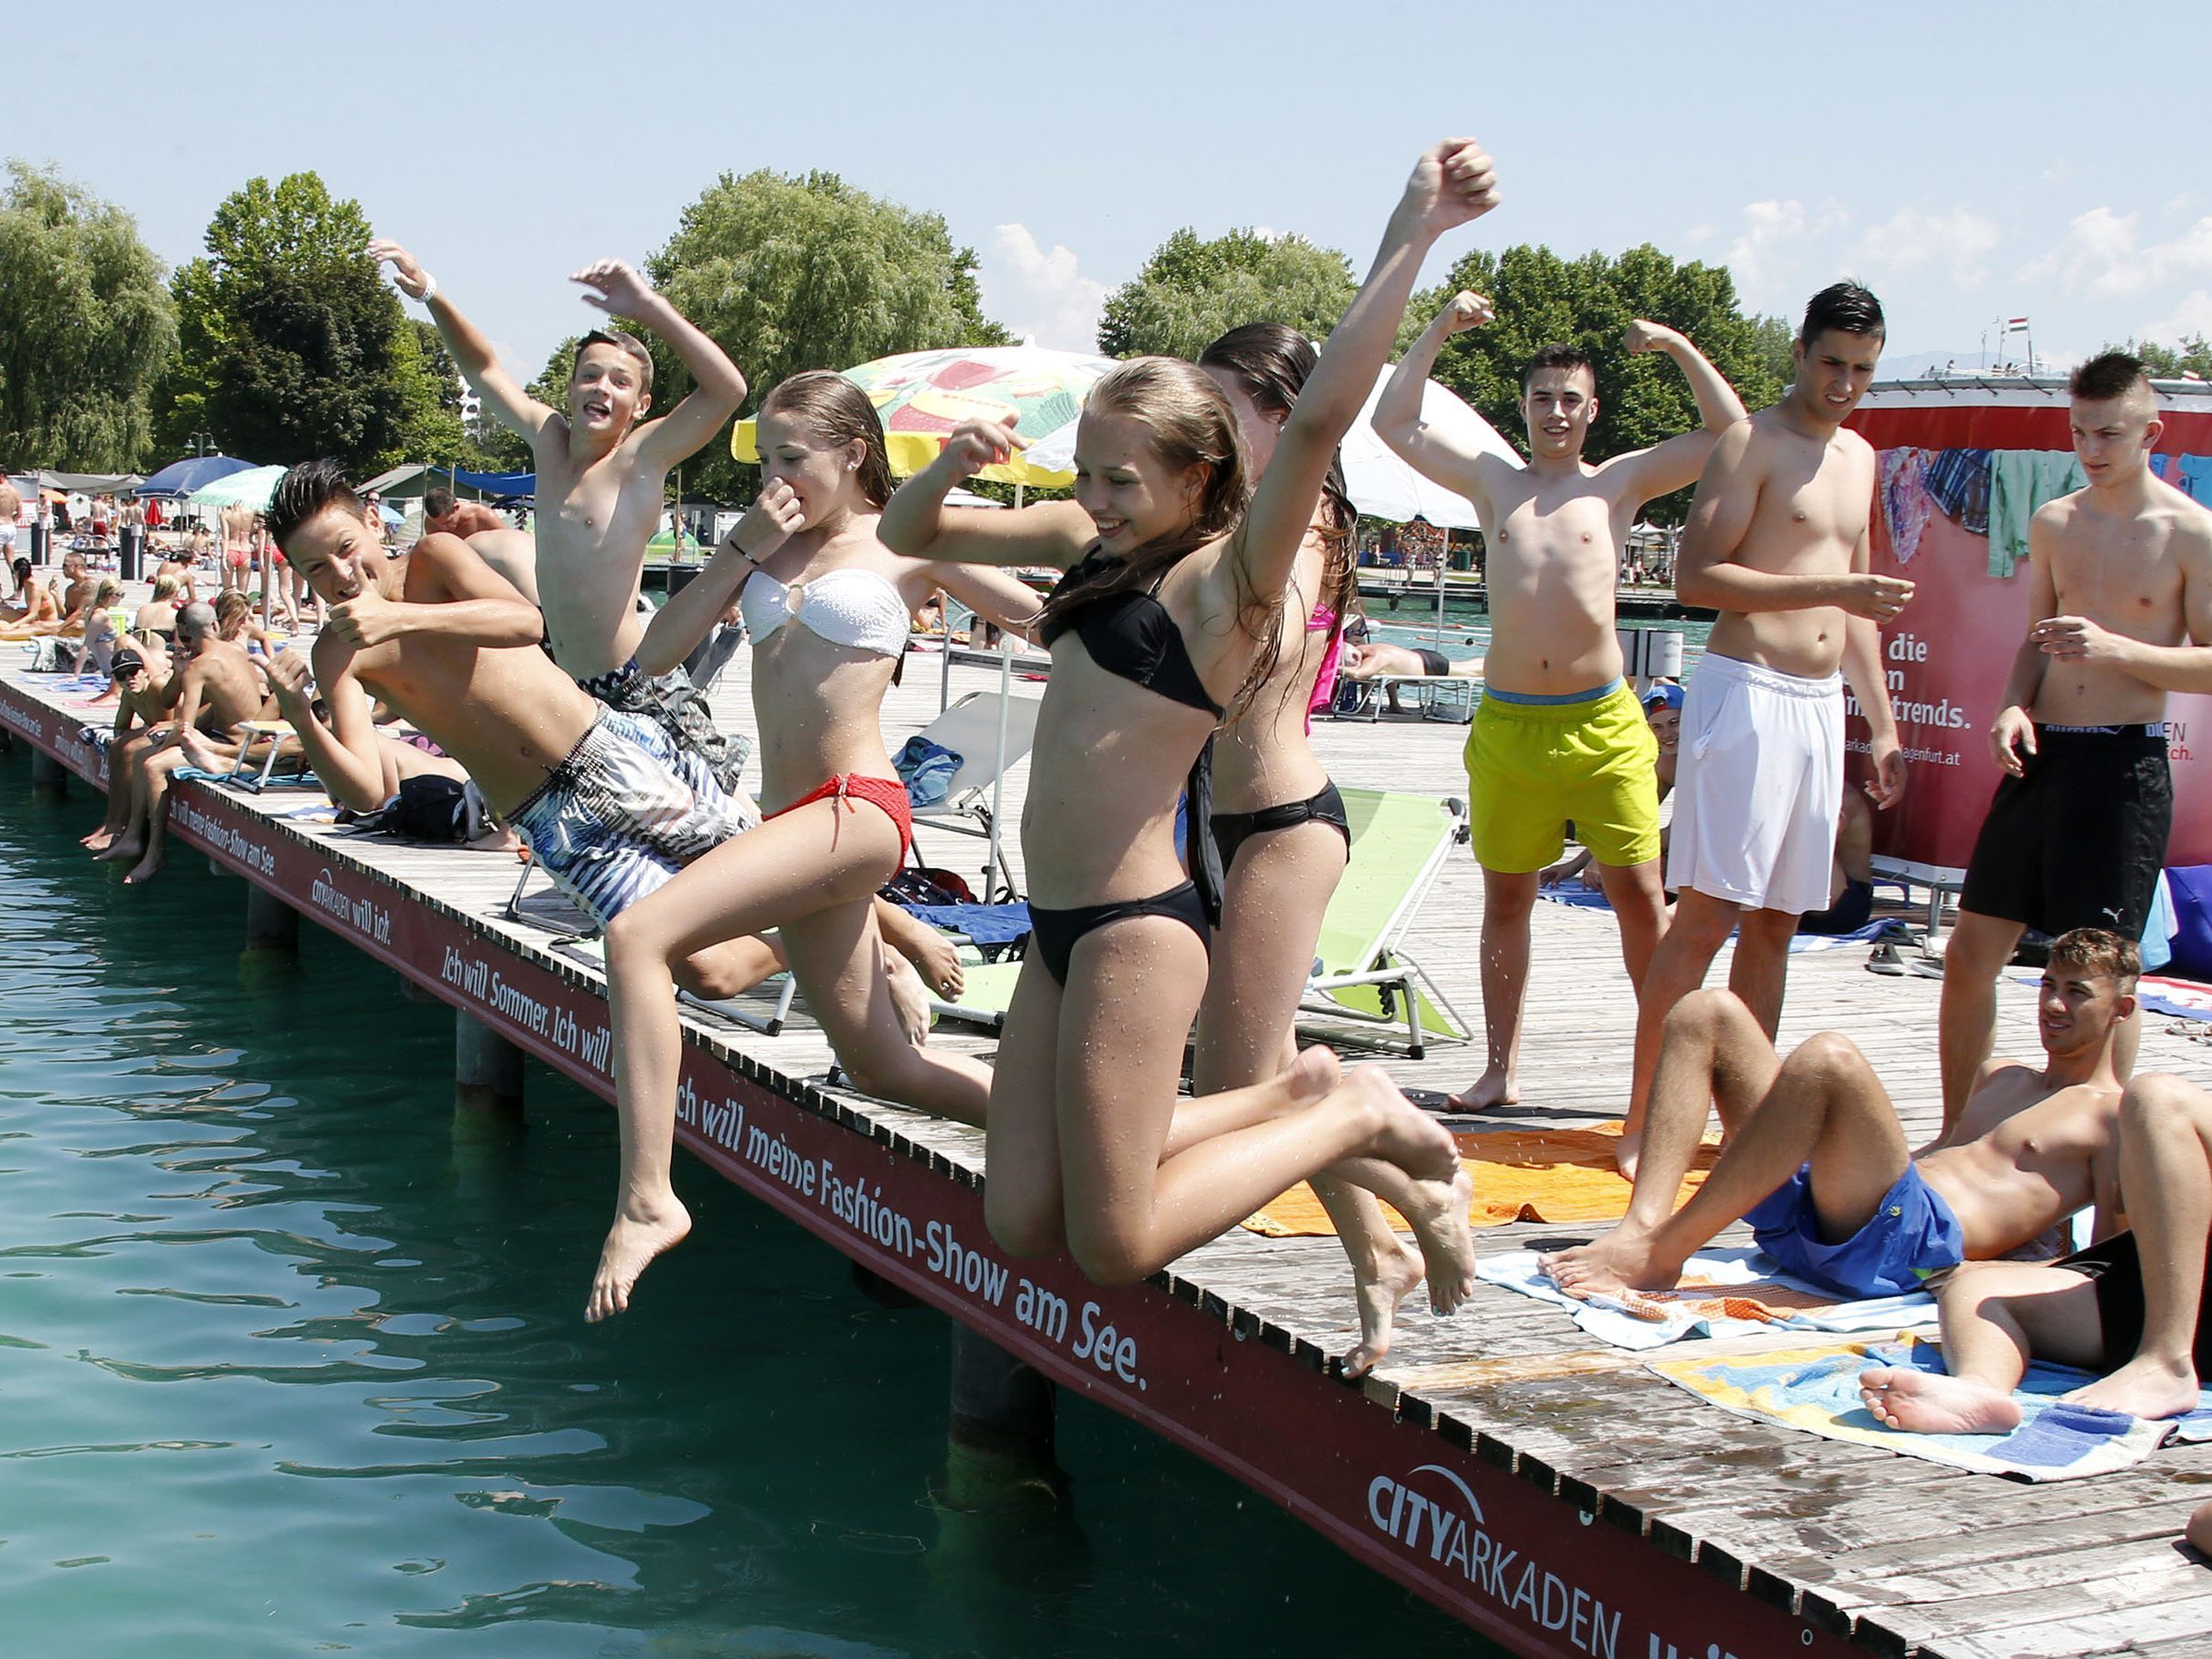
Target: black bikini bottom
1055, 932
1232, 829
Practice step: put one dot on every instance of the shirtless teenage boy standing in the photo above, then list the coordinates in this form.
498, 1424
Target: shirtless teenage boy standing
2119, 603
602, 473
1778, 542
1558, 737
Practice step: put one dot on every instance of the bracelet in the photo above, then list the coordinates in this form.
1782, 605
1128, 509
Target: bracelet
430, 288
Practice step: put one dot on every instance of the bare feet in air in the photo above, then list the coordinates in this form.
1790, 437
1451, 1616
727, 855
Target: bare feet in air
1379, 1290
1927, 1403
2144, 1387
908, 997
1442, 1191
1624, 1258
97, 840
146, 869
1495, 1087
120, 848
640, 1233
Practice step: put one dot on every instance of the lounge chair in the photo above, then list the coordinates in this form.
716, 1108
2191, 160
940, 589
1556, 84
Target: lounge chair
990, 732
1443, 697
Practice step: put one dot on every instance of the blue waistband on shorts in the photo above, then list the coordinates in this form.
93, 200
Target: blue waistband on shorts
1529, 699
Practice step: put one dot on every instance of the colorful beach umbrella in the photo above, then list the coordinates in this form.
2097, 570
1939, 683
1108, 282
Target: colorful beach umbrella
182, 478
251, 488
922, 395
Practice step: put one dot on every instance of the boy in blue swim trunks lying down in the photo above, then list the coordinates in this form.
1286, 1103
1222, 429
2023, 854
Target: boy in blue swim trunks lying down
1815, 1158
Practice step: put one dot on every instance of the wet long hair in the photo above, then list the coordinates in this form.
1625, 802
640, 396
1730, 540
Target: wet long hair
839, 412
1271, 362
1190, 425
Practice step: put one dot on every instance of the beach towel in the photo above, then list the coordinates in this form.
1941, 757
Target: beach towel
1574, 893
926, 769
1725, 1291
1816, 1389
1555, 1175
985, 924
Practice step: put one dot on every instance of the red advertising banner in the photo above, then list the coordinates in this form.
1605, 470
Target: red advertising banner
1963, 467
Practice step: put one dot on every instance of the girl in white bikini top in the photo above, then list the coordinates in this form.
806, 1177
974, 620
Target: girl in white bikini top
855, 608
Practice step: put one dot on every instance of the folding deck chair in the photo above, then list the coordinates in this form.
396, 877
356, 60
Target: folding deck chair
245, 774
990, 732
1365, 984
1444, 697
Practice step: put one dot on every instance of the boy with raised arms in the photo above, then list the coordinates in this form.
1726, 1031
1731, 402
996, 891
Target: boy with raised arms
2119, 607
602, 472
1558, 737
1778, 543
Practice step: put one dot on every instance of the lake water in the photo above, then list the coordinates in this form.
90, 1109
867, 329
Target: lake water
287, 1366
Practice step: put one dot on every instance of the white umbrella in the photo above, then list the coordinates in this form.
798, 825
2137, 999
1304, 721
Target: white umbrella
249, 488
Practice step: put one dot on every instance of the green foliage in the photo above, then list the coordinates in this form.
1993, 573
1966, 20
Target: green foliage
1542, 299
1190, 292
291, 347
2170, 362
795, 273
88, 329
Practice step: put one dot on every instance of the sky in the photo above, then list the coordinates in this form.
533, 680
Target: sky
1968, 161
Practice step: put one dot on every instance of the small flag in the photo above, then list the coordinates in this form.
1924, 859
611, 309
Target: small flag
2016, 325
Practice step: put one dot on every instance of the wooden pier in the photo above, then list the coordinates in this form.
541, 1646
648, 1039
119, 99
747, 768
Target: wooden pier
1557, 1497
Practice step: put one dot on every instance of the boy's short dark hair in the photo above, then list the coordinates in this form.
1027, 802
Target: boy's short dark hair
2099, 950
438, 502
1558, 356
624, 342
303, 492
2112, 374
1846, 307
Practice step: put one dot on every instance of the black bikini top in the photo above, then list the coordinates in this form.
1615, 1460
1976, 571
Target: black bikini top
1131, 634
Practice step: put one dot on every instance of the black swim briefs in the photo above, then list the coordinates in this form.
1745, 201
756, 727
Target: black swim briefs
1433, 662
2117, 1272
2077, 841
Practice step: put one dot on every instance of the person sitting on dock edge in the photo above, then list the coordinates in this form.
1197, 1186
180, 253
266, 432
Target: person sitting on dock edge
1558, 736
1814, 1157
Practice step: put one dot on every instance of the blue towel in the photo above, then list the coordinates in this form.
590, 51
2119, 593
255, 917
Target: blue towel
927, 768
985, 924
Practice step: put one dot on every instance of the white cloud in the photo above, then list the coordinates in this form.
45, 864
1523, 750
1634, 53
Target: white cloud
1959, 241
1038, 291
1697, 235
2103, 251
1773, 243
2190, 319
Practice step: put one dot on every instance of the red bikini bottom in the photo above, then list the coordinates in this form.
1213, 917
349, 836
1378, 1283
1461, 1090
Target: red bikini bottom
888, 794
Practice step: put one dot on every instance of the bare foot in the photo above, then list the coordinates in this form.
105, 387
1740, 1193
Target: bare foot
636, 1238
1379, 1293
1438, 1210
936, 959
98, 840
1624, 1258
1314, 1075
1927, 1403
1495, 1087
908, 997
119, 849
146, 869
196, 751
1404, 1135
2144, 1387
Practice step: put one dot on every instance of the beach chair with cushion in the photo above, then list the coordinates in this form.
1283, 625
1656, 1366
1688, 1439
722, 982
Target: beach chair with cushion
1365, 987
990, 732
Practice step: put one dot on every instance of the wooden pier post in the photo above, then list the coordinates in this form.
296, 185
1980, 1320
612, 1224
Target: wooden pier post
487, 1069
271, 923
47, 772
1002, 1410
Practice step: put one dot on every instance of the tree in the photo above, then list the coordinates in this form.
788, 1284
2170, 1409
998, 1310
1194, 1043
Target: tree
1190, 292
796, 273
87, 331
2191, 357
291, 344
1542, 299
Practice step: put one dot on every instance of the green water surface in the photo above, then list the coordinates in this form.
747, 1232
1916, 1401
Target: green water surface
287, 1366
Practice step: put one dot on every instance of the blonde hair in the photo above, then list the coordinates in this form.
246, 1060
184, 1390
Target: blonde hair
164, 586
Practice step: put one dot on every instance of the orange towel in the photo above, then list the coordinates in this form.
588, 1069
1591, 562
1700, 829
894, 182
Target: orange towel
1552, 1175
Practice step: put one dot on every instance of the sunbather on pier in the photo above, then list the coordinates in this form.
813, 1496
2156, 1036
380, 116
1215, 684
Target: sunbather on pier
1815, 1158
1280, 825
1558, 737
602, 470
217, 692
826, 603
1778, 542
145, 688
2131, 1306
1170, 613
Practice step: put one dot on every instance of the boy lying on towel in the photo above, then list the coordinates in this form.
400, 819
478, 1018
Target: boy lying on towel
1815, 1158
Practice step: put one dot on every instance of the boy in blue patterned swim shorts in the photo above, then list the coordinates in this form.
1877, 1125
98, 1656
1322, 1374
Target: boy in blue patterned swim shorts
1815, 1158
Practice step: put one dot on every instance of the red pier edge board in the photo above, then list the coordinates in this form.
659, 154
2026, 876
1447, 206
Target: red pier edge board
1480, 1531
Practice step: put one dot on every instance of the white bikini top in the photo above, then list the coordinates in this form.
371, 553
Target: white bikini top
856, 608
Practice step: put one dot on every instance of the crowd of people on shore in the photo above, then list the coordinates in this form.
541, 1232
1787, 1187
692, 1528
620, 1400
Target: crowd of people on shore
1200, 618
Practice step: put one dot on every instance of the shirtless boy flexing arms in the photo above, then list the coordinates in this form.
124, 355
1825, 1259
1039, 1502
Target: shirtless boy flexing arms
1558, 737
2120, 602
1816, 1160
1778, 542
602, 472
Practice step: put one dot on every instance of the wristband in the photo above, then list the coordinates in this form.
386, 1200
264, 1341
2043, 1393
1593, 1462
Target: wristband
430, 288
